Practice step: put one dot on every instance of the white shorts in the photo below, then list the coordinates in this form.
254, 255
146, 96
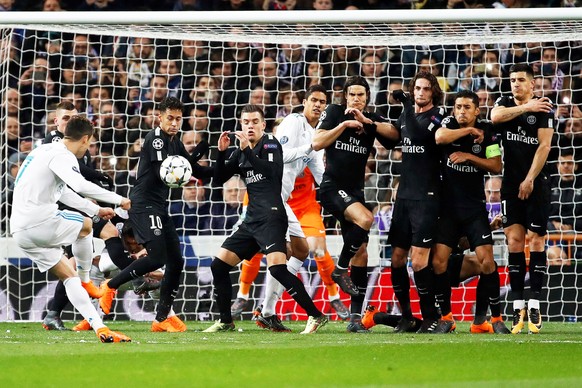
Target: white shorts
43, 243
294, 228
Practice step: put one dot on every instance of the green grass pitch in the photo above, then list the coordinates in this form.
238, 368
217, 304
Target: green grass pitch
253, 357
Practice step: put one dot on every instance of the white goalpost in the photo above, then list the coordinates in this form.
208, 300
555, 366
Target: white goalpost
116, 67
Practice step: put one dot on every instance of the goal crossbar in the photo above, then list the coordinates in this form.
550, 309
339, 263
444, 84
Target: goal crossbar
376, 27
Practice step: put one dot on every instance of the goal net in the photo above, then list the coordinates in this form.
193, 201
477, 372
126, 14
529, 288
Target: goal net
116, 67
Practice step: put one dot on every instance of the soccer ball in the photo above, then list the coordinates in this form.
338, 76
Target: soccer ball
175, 171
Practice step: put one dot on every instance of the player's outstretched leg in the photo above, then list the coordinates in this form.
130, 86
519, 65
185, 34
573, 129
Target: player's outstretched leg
296, 289
373, 317
80, 300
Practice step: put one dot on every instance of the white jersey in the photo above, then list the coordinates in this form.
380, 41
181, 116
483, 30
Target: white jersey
295, 135
48, 175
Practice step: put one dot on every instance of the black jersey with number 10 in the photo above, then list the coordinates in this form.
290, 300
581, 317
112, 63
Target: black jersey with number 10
149, 191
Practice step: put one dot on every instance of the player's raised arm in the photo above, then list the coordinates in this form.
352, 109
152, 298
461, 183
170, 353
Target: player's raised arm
445, 135
223, 169
61, 166
331, 127
273, 161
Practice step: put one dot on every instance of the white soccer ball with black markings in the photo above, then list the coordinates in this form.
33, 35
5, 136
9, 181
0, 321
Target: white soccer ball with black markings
175, 171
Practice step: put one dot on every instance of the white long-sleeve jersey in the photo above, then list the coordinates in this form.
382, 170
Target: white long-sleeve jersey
295, 135
48, 175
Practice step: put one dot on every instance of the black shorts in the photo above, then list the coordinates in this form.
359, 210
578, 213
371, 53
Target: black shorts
474, 224
152, 227
414, 223
267, 237
99, 223
335, 200
533, 213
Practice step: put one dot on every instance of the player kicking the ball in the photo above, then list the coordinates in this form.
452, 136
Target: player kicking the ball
49, 174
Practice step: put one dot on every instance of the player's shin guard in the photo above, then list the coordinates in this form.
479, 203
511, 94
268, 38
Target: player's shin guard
117, 252
134, 270
248, 274
222, 288
424, 286
273, 291
442, 290
80, 300
537, 270
359, 276
60, 299
295, 288
401, 286
83, 252
353, 240
516, 267
325, 266
491, 284
482, 298
170, 286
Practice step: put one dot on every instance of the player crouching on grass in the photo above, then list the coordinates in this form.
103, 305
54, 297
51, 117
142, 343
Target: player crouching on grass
460, 267
50, 174
259, 160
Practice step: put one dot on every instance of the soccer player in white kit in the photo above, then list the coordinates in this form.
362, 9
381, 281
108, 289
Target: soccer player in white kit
50, 174
295, 133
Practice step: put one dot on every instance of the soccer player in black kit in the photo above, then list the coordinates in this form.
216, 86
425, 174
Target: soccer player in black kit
259, 161
469, 148
347, 133
526, 125
152, 225
416, 209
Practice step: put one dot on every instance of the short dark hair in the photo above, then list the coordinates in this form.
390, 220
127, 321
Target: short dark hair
468, 94
356, 80
77, 127
171, 103
65, 105
564, 152
127, 229
515, 68
316, 88
437, 93
251, 108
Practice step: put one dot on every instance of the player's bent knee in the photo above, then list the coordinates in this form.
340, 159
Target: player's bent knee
109, 231
399, 257
277, 270
219, 268
488, 266
87, 227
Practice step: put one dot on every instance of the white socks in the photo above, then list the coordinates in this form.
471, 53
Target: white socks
81, 301
518, 304
274, 289
83, 252
533, 304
